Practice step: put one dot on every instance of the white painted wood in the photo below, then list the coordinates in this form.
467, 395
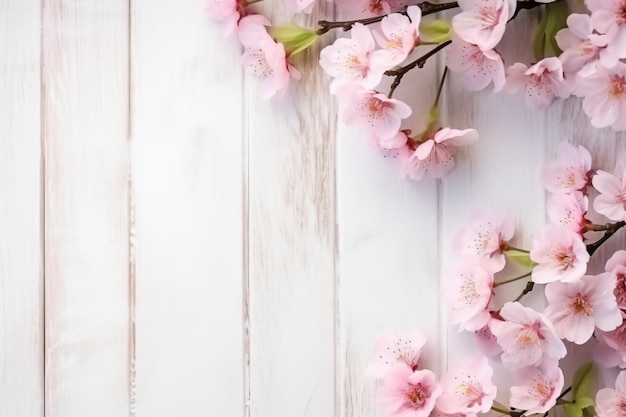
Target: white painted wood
85, 120
291, 244
188, 167
21, 255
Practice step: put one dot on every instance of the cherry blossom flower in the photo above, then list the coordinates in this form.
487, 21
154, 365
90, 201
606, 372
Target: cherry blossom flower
604, 95
468, 389
487, 342
391, 351
482, 22
264, 57
540, 83
484, 236
370, 8
577, 308
227, 11
612, 402
617, 265
301, 6
580, 53
607, 17
348, 60
539, 389
476, 67
435, 156
610, 351
374, 112
569, 172
561, 255
408, 393
397, 37
467, 291
612, 199
568, 210
526, 337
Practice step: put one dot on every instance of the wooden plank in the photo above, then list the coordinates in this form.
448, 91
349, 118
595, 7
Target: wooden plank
21, 255
85, 98
188, 173
291, 242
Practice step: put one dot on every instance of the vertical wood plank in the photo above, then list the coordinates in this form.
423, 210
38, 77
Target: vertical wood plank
291, 242
21, 256
188, 177
85, 102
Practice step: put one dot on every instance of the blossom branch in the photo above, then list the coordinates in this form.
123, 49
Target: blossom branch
508, 281
529, 287
610, 230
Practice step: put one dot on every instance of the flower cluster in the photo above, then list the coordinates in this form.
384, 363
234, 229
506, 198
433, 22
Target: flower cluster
582, 307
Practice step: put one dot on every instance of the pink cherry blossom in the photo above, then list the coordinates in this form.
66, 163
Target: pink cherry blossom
580, 53
435, 156
612, 199
604, 95
408, 393
263, 57
397, 37
482, 22
617, 265
539, 389
540, 83
391, 351
577, 308
374, 112
301, 6
467, 291
227, 11
468, 389
526, 337
612, 402
610, 351
487, 342
607, 17
568, 210
348, 60
370, 8
561, 255
569, 172
484, 236
476, 67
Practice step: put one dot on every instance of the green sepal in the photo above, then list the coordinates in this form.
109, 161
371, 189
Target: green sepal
295, 38
583, 385
554, 19
435, 31
519, 257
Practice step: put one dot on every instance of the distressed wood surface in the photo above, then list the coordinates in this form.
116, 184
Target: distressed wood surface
21, 254
85, 140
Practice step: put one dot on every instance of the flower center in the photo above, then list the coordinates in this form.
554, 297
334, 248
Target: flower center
376, 7
580, 305
565, 258
617, 89
530, 335
620, 290
416, 396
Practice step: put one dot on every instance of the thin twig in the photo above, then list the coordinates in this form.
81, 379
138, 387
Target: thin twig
610, 231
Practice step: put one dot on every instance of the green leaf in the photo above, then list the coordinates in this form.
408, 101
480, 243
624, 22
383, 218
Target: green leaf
572, 410
554, 19
295, 38
584, 402
583, 383
520, 257
435, 31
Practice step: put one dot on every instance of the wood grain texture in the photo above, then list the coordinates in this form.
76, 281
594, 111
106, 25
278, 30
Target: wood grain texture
85, 103
291, 243
388, 250
188, 179
21, 252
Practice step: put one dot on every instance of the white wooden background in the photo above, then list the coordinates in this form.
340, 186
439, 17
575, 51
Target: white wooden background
173, 245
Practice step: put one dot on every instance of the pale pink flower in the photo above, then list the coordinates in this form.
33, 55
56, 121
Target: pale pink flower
467, 291
348, 60
612, 199
468, 389
568, 210
526, 336
607, 17
227, 11
391, 351
561, 255
610, 351
265, 58
604, 95
577, 308
476, 67
580, 53
397, 36
374, 112
408, 393
482, 22
487, 342
612, 402
435, 156
617, 265
370, 8
399, 140
569, 172
540, 83
301, 6
539, 389
484, 236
